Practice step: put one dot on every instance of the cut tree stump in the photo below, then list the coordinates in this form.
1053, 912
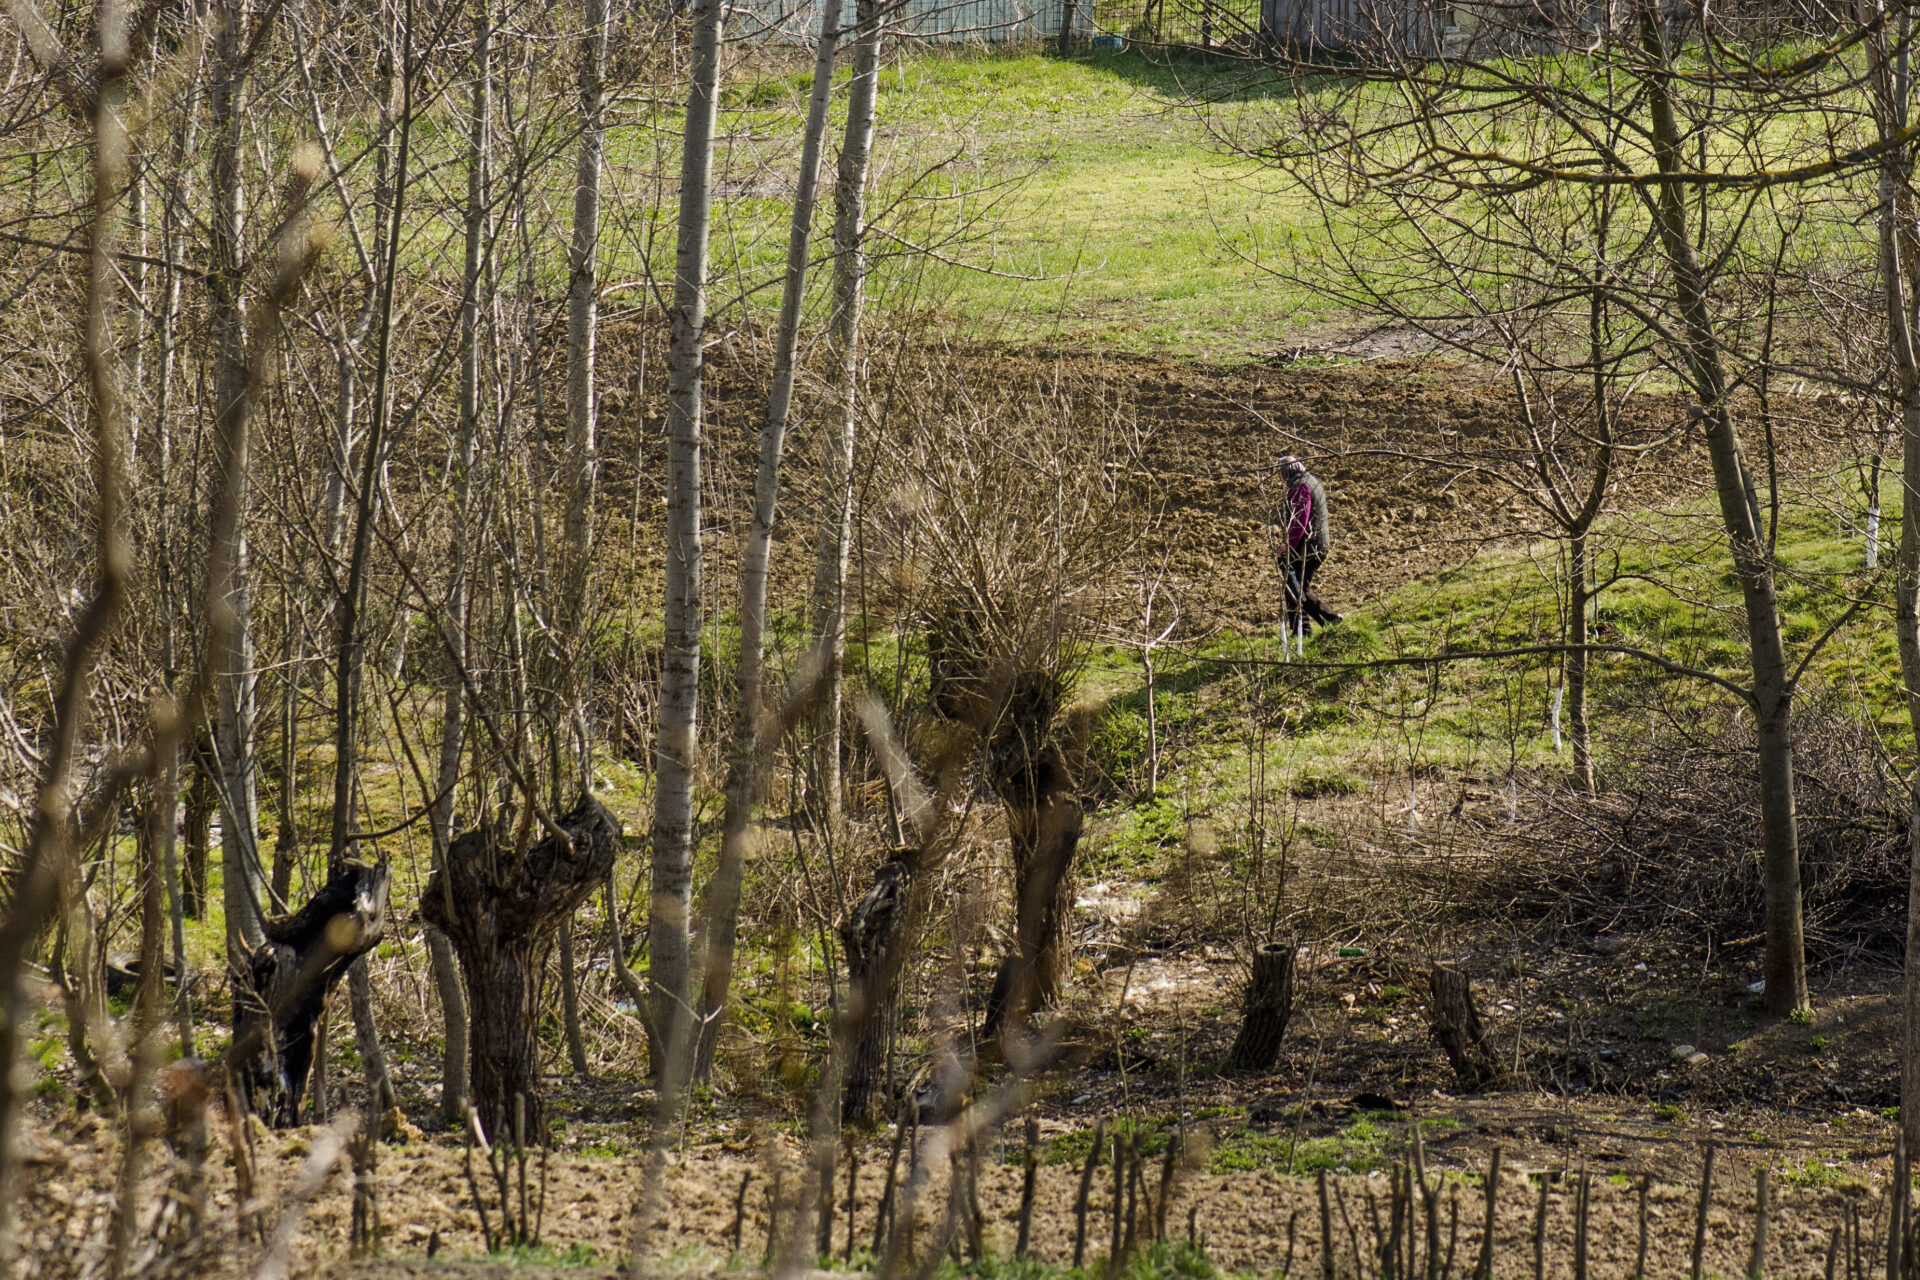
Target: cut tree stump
283, 984
1268, 1006
1456, 1025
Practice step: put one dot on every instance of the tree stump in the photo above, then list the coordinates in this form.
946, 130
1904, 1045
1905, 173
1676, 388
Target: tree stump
500, 911
1267, 1008
875, 933
281, 987
1456, 1025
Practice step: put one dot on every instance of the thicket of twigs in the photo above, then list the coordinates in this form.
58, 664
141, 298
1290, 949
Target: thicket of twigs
1671, 844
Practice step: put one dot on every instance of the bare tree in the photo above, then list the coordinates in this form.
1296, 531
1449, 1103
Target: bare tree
475, 278
744, 749
236, 41
843, 339
1890, 86
1518, 280
54, 824
676, 752
1025, 521
583, 310
1486, 125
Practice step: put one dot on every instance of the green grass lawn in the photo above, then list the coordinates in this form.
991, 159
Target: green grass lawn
1130, 226
1080, 198
1094, 198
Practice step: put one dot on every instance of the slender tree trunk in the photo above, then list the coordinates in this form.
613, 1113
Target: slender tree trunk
843, 337
176, 918
198, 833
366, 1037
574, 744
1579, 527
1575, 670
454, 1089
1900, 278
350, 654
570, 1005
677, 747
617, 952
236, 691
723, 895
583, 310
286, 848
453, 1010
179, 197
1772, 691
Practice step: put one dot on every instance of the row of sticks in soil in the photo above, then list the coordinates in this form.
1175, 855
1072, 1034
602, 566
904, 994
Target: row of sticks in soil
1413, 1232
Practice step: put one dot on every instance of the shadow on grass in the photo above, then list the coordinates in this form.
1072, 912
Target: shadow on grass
1188, 75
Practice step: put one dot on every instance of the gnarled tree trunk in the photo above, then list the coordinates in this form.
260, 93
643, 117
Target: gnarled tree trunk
285, 983
501, 910
1029, 773
1013, 702
875, 933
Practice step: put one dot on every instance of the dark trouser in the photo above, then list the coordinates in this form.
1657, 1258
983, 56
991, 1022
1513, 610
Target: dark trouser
1299, 571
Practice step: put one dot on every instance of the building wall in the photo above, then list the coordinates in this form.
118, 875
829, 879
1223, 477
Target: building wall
1410, 28
936, 21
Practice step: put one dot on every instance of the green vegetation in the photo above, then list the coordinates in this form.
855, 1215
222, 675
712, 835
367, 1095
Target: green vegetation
1362, 1146
1070, 198
1360, 722
1167, 1260
1134, 230
1814, 1172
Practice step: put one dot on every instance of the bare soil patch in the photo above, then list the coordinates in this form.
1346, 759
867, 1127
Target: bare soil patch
1378, 431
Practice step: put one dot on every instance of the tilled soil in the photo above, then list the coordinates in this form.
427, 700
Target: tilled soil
1249, 1222
1398, 443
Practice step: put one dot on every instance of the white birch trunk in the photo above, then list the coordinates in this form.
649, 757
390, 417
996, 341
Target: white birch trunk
843, 336
677, 741
583, 306
743, 756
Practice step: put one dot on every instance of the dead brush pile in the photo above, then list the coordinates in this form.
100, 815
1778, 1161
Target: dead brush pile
1671, 843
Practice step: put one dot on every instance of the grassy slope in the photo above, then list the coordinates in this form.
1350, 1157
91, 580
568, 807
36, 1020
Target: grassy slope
1674, 597
1075, 198
1084, 198
1137, 226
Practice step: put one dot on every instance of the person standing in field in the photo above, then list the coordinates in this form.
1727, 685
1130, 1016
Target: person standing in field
1303, 538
